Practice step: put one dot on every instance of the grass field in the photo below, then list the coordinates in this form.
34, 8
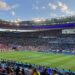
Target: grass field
50, 59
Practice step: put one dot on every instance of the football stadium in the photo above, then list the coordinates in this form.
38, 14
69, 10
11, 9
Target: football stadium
46, 44
40, 46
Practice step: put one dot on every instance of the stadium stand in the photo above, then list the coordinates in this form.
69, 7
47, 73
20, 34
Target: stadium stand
25, 41
8, 67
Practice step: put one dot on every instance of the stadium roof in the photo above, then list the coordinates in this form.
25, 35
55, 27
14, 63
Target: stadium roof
39, 24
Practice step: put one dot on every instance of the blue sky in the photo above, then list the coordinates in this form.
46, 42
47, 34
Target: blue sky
33, 9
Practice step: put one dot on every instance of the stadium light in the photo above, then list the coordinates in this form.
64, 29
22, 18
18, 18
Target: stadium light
17, 24
38, 19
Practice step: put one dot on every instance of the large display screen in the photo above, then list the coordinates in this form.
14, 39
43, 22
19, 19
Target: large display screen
68, 31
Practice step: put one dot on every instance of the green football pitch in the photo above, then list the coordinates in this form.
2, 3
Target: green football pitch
48, 59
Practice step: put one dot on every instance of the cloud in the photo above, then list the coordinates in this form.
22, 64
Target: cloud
4, 6
70, 12
52, 6
60, 4
35, 7
37, 2
62, 7
38, 7
53, 15
43, 7
65, 8
15, 6
13, 13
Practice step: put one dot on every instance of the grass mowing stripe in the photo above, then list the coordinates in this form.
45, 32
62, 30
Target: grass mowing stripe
44, 58
54, 61
69, 65
59, 60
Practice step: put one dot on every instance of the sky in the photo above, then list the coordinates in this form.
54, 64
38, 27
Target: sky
35, 9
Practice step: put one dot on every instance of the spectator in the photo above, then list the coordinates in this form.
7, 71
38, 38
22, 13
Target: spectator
45, 72
35, 72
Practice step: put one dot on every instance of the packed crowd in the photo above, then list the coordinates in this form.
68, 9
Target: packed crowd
16, 68
46, 44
